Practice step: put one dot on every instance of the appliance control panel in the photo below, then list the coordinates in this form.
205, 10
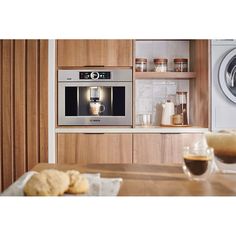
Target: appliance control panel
94, 75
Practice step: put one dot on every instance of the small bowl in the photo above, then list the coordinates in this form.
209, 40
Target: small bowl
224, 145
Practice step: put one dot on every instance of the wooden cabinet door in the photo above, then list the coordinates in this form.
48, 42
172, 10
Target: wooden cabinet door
161, 148
94, 148
148, 148
72, 52
94, 52
118, 53
174, 143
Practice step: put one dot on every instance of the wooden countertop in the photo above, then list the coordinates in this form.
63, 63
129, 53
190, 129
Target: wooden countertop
153, 180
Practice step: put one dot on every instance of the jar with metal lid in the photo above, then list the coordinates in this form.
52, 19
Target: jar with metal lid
181, 64
160, 64
141, 64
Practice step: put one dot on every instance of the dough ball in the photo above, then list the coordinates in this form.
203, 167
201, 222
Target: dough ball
37, 186
78, 182
47, 183
58, 181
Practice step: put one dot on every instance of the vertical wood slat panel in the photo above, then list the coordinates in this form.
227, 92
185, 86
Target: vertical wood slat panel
7, 129
23, 107
19, 108
32, 104
43, 101
0, 115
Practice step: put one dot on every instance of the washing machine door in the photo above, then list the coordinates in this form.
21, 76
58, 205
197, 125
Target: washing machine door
227, 75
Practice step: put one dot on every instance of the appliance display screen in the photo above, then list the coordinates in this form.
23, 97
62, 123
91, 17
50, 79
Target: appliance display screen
85, 75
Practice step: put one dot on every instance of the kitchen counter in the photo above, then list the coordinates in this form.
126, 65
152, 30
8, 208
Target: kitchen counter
156, 180
154, 129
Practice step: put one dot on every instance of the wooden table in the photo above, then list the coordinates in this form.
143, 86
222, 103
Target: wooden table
156, 180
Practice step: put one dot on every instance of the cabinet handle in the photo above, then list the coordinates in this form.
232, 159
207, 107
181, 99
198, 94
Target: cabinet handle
93, 133
94, 66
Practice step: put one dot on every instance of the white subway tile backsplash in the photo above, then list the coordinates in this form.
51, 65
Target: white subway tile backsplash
159, 90
150, 94
171, 88
145, 90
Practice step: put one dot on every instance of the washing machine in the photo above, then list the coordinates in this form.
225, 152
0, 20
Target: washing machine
223, 84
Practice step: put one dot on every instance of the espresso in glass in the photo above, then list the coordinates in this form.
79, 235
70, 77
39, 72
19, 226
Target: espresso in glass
197, 162
224, 144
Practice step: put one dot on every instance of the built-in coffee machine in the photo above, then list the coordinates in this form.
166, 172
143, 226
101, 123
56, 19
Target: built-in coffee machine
95, 97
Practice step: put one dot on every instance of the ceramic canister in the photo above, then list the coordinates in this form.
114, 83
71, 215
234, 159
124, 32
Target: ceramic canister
167, 113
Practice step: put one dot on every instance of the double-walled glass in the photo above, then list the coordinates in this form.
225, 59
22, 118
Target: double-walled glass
224, 144
198, 162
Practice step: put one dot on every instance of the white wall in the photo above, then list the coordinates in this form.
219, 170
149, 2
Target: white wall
51, 101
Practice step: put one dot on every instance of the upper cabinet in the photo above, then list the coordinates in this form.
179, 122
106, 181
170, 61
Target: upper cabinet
94, 53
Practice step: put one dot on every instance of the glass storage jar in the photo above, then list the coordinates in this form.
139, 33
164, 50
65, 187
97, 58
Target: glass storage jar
181, 64
141, 64
181, 106
160, 64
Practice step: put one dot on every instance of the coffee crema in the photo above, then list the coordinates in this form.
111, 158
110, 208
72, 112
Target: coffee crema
197, 165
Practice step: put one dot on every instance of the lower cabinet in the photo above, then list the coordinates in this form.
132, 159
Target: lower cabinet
123, 148
94, 148
161, 148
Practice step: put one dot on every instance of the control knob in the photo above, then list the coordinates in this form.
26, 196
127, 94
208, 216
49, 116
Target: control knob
94, 75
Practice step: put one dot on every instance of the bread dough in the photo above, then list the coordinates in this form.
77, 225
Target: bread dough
47, 183
52, 182
78, 183
37, 186
58, 181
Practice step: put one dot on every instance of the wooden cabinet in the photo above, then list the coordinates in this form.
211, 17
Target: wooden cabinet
120, 148
195, 82
94, 53
94, 148
161, 148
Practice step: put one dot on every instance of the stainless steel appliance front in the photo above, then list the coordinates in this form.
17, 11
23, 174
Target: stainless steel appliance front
95, 97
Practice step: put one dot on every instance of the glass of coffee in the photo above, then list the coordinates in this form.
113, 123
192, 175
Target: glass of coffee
198, 162
224, 144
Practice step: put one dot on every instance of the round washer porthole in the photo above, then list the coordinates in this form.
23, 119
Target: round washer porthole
227, 75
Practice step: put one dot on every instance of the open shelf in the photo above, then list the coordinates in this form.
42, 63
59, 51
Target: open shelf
165, 75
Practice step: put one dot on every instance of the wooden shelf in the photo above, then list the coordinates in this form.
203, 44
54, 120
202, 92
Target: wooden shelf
165, 75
